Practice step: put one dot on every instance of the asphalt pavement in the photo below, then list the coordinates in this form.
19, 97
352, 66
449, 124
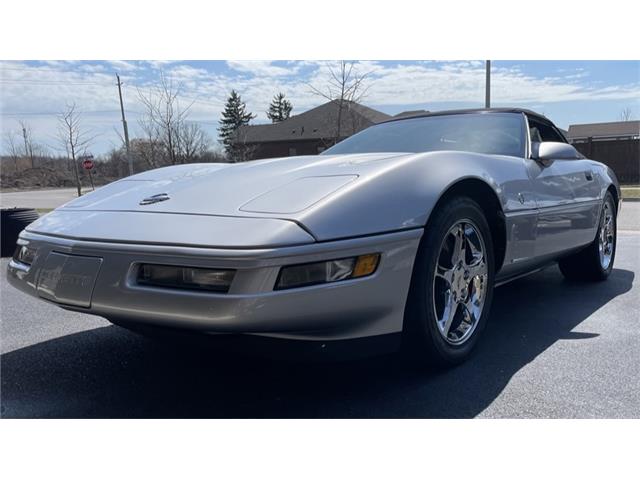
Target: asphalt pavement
42, 199
552, 349
629, 217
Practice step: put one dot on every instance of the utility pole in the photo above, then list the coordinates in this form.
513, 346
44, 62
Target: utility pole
487, 94
28, 152
124, 126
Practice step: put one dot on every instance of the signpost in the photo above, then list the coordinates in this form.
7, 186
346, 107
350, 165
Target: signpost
87, 164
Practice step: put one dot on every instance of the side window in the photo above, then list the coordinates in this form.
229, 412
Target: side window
543, 132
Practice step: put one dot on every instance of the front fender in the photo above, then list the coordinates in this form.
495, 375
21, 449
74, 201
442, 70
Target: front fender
403, 194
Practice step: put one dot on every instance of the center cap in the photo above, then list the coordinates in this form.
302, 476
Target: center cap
463, 293
460, 285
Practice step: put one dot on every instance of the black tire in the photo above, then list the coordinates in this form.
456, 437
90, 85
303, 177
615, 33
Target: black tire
422, 340
586, 265
12, 222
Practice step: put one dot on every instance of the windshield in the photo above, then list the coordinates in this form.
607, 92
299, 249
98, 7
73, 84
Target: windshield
491, 133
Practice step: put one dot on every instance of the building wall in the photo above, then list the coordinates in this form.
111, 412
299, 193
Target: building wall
623, 156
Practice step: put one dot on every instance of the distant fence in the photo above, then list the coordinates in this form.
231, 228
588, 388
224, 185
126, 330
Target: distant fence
623, 156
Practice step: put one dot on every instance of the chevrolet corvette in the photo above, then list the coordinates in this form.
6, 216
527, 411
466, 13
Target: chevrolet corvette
394, 237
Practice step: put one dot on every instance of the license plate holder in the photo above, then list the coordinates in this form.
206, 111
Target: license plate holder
68, 279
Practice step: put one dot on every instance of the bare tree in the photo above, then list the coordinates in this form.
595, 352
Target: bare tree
625, 114
345, 87
193, 142
164, 118
12, 148
148, 148
73, 138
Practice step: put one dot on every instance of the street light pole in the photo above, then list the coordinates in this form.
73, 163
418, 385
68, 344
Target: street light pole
487, 94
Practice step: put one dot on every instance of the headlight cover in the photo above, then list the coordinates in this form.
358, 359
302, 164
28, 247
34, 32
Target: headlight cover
186, 278
24, 254
329, 271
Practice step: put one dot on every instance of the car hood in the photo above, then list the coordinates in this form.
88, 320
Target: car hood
280, 187
327, 197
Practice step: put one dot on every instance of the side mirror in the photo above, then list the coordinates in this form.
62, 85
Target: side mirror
547, 152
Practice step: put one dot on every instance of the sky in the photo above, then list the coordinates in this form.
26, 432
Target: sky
567, 92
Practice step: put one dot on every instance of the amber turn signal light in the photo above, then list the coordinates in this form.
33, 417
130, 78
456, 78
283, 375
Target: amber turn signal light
366, 265
307, 274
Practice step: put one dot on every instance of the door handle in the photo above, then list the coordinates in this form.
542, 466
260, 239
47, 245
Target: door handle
589, 176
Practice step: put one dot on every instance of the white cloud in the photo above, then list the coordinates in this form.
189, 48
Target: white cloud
187, 72
92, 68
261, 67
123, 66
159, 64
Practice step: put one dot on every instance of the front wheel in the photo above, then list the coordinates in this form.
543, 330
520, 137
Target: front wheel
452, 285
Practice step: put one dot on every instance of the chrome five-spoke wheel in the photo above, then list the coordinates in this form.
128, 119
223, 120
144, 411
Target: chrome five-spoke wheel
606, 235
460, 282
452, 285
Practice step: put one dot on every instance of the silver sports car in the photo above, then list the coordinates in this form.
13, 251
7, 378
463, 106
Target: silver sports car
394, 237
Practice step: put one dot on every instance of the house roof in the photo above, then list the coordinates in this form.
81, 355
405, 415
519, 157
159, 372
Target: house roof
609, 129
317, 123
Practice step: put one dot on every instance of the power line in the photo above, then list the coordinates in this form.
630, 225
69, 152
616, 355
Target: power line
38, 82
21, 114
48, 82
33, 68
195, 100
62, 83
67, 69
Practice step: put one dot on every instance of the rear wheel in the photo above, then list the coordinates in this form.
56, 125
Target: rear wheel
595, 262
452, 285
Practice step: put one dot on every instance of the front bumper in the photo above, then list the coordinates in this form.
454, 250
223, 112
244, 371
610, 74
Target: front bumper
349, 309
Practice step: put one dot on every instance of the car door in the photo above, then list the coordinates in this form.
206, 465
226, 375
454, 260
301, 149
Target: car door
566, 193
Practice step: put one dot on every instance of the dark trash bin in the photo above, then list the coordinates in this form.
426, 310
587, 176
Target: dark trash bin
12, 222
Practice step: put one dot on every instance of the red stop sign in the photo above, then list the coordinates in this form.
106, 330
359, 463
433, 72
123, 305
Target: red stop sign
87, 164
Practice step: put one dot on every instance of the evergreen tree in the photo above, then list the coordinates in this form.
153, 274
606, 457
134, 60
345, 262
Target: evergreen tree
233, 117
279, 109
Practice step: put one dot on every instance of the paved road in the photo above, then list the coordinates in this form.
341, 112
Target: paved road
552, 349
629, 218
44, 199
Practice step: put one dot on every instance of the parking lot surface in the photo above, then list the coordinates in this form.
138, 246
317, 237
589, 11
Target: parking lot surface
552, 349
41, 199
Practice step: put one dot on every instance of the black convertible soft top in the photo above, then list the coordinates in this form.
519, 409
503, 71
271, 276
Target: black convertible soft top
470, 110
529, 113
